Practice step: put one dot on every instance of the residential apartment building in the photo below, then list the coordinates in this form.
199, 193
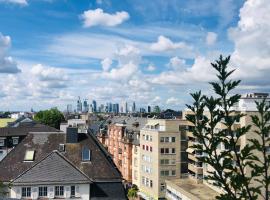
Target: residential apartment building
181, 189
118, 137
161, 156
60, 165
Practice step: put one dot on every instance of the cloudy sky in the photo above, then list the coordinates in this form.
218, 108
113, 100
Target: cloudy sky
151, 52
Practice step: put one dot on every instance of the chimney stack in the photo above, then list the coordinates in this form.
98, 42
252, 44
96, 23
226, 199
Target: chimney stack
72, 135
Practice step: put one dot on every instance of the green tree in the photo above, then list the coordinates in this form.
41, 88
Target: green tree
3, 189
52, 117
132, 192
229, 165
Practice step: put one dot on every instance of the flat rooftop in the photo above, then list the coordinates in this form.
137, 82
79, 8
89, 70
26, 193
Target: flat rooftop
193, 190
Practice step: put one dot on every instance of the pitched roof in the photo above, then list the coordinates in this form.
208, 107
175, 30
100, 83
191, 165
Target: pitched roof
24, 128
99, 168
53, 168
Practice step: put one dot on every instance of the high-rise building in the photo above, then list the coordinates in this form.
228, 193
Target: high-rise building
79, 105
133, 107
142, 110
115, 108
125, 107
149, 109
85, 106
69, 108
161, 158
94, 104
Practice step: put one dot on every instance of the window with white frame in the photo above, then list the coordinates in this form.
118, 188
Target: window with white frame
42, 191
2, 142
26, 192
72, 191
15, 140
59, 191
86, 154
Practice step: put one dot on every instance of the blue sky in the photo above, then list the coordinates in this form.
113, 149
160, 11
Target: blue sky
151, 52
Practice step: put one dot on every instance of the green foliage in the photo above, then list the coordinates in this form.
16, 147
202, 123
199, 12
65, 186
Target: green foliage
132, 192
3, 189
229, 165
52, 117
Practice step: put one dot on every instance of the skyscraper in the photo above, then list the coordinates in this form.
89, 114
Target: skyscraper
115, 108
69, 108
85, 106
149, 109
125, 107
79, 105
94, 104
133, 107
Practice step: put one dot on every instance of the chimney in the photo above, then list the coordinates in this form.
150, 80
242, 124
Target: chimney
72, 135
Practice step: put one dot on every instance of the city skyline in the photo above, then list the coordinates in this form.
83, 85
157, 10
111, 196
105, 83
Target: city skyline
53, 51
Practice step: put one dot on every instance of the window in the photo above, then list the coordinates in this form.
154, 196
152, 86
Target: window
146, 148
173, 173
162, 187
151, 149
164, 172
164, 150
59, 191
267, 149
173, 150
143, 147
72, 191
173, 139
26, 192
86, 154
15, 140
172, 161
29, 155
42, 191
162, 139
167, 139
2, 142
150, 138
164, 161
151, 183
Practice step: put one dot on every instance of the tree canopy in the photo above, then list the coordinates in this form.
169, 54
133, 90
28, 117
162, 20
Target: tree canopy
52, 117
230, 165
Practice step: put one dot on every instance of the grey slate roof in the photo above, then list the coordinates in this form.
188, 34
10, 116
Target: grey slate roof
54, 168
24, 128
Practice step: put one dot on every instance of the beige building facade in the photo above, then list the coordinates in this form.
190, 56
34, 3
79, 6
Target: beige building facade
161, 145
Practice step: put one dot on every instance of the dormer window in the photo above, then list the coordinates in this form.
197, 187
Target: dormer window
2, 142
29, 155
86, 154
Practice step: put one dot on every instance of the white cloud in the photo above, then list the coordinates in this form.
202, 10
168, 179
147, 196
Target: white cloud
211, 38
50, 77
164, 44
173, 101
7, 63
151, 68
106, 64
98, 17
177, 63
20, 2
252, 47
200, 72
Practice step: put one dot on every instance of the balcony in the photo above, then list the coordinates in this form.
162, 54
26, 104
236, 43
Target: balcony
192, 157
195, 169
190, 134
